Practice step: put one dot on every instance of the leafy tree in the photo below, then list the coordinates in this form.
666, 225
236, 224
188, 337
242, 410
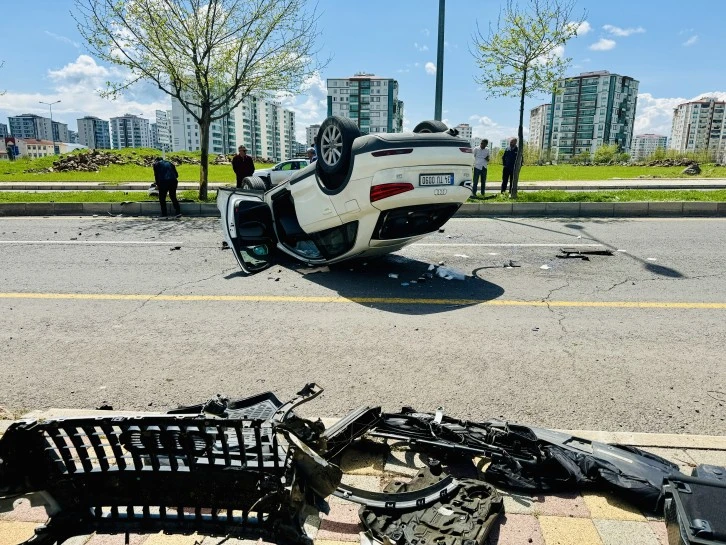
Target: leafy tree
208, 54
605, 154
582, 158
521, 55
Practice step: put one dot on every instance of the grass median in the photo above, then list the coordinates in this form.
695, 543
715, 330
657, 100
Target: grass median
626, 195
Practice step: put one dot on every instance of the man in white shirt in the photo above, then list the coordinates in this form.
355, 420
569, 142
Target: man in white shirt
481, 162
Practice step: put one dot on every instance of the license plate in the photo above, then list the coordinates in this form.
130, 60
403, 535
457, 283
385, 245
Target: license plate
436, 179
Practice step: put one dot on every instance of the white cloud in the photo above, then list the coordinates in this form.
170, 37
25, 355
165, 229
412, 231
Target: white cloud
690, 41
421, 47
686, 31
64, 39
426, 32
655, 115
483, 126
558, 51
623, 32
581, 28
430, 68
310, 107
603, 44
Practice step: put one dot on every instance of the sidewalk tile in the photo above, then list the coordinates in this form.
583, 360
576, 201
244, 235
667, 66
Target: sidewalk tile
712, 457
610, 508
515, 529
162, 539
660, 531
334, 542
404, 462
341, 524
118, 539
622, 532
77, 540
23, 512
569, 531
12, 533
357, 462
563, 505
518, 503
232, 541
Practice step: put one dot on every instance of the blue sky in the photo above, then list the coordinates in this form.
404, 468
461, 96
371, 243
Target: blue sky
675, 53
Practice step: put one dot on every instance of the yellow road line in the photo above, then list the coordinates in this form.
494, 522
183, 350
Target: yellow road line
373, 300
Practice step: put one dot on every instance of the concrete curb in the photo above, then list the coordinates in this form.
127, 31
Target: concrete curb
470, 210
654, 440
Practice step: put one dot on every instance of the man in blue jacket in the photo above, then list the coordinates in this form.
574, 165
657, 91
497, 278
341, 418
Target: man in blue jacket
509, 159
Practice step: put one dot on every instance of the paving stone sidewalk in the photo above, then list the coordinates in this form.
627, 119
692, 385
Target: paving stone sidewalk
561, 519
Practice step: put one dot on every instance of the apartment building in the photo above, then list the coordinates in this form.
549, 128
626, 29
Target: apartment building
34, 148
645, 145
371, 101
310, 134
589, 111
185, 132
539, 119
465, 131
4, 130
130, 131
94, 133
163, 130
60, 132
699, 126
31, 126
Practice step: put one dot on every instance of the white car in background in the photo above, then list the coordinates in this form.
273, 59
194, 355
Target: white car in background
281, 171
366, 195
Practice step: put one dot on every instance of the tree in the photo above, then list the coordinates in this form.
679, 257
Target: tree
522, 54
208, 54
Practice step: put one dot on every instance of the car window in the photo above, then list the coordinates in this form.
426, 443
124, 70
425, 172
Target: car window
295, 165
286, 166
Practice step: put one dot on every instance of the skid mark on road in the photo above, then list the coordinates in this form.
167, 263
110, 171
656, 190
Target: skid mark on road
363, 300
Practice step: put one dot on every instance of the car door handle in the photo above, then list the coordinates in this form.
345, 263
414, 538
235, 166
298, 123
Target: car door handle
327, 211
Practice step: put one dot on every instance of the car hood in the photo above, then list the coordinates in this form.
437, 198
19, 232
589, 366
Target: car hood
263, 171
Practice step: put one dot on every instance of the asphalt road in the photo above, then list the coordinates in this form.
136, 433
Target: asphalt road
149, 315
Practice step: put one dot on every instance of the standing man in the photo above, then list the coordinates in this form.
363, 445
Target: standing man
312, 157
167, 180
508, 161
242, 165
481, 162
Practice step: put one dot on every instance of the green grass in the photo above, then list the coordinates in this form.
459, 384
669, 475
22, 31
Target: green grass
549, 173
95, 196
629, 195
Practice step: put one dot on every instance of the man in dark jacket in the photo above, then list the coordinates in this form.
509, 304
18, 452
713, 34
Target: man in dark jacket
508, 161
242, 165
167, 180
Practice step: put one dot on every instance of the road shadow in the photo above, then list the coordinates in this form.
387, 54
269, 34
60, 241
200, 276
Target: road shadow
581, 234
414, 290
145, 225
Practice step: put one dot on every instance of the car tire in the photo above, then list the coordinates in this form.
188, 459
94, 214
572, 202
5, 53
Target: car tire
254, 183
334, 143
268, 182
431, 125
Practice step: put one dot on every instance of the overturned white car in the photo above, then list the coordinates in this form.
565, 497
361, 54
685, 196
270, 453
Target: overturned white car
365, 196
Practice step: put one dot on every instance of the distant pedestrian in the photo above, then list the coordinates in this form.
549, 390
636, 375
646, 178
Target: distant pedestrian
167, 181
312, 156
242, 165
509, 159
481, 163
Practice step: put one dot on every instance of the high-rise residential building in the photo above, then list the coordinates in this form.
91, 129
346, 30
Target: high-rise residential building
645, 145
699, 126
154, 136
185, 132
163, 129
72, 137
31, 126
465, 131
94, 133
130, 131
589, 111
60, 132
310, 133
371, 101
539, 119
3, 132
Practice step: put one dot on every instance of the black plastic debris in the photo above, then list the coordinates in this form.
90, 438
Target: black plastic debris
464, 517
566, 253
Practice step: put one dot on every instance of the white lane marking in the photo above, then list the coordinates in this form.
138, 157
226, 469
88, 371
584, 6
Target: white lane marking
108, 242
507, 245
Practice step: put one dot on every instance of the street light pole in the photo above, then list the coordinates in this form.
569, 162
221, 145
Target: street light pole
440, 63
52, 134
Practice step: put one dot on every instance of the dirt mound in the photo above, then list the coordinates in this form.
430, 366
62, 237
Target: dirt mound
92, 161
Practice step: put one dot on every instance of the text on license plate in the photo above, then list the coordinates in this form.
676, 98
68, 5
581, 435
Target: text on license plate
436, 179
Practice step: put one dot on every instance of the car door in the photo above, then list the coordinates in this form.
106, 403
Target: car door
247, 226
281, 172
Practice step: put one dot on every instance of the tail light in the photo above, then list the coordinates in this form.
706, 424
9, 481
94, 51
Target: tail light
383, 191
465, 150
384, 153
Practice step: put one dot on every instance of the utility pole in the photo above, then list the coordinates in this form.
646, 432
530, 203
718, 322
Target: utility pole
52, 134
440, 62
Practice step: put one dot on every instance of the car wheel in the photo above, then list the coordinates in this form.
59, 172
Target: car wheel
431, 126
335, 144
254, 183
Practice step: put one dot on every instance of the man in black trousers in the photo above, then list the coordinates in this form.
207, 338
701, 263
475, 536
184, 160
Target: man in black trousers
167, 180
508, 161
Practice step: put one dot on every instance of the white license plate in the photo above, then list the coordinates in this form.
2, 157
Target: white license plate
436, 179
